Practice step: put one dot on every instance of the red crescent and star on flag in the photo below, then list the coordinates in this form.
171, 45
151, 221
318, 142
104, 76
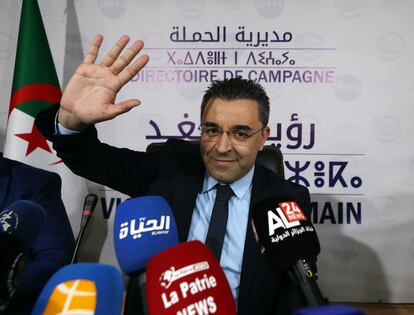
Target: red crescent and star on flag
34, 92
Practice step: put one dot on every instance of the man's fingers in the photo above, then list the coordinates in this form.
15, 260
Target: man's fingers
115, 110
114, 53
93, 50
128, 73
125, 59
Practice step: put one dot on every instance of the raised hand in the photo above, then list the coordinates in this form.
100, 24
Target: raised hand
90, 94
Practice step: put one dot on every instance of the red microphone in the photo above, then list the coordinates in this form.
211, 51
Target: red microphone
187, 279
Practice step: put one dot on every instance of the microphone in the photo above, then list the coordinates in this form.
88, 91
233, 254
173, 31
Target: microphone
11, 267
143, 227
187, 279
20, 224
83, 288
88, 208
23, 219
329, 310
288, 241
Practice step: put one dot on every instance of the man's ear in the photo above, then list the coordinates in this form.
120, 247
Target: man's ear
265, 135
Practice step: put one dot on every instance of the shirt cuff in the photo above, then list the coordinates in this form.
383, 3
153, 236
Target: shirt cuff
60, 130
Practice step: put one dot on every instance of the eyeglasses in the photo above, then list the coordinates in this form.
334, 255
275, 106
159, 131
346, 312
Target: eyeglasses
236, 136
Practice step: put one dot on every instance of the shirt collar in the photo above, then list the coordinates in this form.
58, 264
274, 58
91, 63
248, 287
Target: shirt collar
240, 187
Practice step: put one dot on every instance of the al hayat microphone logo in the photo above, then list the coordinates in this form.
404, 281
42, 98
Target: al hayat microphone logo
171, 275
134, 229
8, 220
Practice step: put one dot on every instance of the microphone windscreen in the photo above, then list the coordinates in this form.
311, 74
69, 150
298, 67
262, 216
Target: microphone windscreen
188, 279
329, 310
24, 219
83, 288
143, 227
11, 267
284, 232
88, 208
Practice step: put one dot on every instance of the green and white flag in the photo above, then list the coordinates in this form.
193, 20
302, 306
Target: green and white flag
36, 86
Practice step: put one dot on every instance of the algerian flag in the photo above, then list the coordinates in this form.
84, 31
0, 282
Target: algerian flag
36, 86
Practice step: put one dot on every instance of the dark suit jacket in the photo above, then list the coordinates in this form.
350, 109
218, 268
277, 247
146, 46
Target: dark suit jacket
53, 247
176, 172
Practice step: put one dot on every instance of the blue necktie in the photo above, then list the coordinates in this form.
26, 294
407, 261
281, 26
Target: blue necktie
218, 220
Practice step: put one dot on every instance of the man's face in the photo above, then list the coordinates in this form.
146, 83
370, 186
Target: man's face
225, 160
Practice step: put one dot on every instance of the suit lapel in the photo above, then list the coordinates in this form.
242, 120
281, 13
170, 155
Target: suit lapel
263, 186
186, 185
185, 200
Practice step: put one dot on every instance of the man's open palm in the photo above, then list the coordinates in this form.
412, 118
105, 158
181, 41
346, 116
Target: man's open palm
90, 94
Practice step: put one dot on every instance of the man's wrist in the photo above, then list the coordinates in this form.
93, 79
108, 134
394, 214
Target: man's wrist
62, 130
66, 121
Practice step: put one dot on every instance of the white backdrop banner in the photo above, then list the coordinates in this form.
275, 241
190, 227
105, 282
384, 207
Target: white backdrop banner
339, 75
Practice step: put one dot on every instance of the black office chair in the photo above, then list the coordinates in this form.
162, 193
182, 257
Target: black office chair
270, 157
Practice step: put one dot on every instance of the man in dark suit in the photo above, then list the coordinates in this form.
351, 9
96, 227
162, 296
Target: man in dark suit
234, 118
54, 245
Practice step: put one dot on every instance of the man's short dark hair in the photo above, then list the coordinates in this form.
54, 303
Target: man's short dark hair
238, 89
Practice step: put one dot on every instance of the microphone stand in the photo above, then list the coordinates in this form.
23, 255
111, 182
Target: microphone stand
88, 207
302, 274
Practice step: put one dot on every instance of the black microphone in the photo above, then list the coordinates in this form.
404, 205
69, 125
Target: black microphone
20, 224
289, 242
11, 267
88, 208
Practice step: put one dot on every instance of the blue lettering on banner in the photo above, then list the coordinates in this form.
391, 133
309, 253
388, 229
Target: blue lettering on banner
321, 212
178, 74
107, 209
336, 213
327, 174
335, 174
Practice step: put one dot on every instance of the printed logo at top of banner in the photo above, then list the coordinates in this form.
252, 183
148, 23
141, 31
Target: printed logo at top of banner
292, 211
171, 275
349, 8
8, 220
191, 9
72, 297
269, 8
144, 225
114, 9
